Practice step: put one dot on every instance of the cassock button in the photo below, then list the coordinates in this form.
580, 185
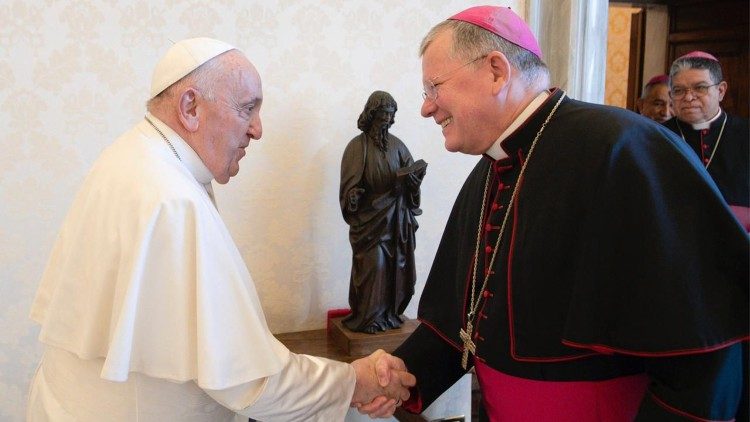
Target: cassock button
495, 206
705, 146
704, 132
486, 294
488, 249
705, 160
501, 186
488, 227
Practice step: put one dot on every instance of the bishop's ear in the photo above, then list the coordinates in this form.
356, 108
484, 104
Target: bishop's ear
722, 89
188, 109
500, 68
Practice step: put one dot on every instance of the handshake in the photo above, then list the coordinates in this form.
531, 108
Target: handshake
382, 384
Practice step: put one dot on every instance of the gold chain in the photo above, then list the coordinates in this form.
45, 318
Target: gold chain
174, 151
475, 300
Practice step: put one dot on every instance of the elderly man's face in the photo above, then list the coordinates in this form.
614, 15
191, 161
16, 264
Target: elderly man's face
656, 105
696, 108
463, 105
231, 119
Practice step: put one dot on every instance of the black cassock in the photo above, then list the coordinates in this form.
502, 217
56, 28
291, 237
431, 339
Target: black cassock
619, 257
729, 160
725, 148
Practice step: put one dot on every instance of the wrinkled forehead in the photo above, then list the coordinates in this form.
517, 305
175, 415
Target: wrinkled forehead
244, 81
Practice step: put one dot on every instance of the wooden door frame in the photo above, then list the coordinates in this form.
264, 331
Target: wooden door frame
636, 58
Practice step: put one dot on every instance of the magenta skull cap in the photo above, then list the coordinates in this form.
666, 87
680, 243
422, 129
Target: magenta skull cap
698, 54
503, 22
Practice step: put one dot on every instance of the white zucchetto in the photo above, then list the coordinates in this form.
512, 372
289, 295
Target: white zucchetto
182, 58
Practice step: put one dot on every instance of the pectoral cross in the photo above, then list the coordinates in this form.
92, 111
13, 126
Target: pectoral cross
469, 345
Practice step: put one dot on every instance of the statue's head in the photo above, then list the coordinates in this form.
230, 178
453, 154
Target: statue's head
379, 102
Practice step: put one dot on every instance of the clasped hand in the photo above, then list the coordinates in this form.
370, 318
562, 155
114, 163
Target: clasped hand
382, 384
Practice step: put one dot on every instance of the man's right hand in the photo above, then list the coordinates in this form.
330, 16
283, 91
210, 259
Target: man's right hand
382, 384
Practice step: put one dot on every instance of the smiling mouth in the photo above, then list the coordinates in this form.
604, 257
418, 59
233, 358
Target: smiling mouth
446, 122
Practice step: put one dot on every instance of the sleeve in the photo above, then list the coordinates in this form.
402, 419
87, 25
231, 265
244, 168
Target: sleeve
307, 388
703, 387
412, 181
435, 364
352, 164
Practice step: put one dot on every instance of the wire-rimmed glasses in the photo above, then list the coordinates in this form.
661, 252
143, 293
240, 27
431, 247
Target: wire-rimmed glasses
431, 89
679, 92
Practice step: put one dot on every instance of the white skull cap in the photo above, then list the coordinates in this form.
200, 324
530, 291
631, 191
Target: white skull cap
182, 58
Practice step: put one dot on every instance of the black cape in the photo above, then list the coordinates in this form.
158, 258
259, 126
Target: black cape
606, 257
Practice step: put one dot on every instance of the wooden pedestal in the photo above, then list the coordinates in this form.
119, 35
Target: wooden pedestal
361, 344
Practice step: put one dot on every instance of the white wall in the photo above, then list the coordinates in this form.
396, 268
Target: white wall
75, 74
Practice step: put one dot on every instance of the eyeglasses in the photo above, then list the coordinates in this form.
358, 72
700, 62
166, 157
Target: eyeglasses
678, 92
431, 89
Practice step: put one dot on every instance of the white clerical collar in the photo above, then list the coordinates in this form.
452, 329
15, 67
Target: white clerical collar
496, 151
187, 155
706, 125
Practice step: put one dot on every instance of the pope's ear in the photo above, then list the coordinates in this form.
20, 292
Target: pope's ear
188, 110
500, 68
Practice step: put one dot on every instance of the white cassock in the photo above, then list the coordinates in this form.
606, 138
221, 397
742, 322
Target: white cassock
148, 312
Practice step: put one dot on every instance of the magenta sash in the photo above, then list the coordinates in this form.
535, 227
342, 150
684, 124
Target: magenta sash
508, 398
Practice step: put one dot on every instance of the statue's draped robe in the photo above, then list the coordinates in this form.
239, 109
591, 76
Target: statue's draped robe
381, 232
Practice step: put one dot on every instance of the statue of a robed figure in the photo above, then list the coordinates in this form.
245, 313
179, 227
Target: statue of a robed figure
379, 197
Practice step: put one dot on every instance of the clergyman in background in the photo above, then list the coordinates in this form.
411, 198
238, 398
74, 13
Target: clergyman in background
718, 138
655, 102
